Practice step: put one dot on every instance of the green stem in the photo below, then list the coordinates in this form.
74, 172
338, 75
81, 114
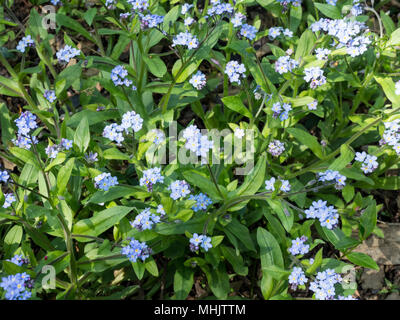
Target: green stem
215, 181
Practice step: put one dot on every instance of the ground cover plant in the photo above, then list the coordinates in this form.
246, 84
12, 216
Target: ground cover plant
188, 150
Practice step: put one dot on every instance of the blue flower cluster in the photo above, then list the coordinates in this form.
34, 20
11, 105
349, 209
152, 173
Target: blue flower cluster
391, 135
327, 215
238, 19
322, 54
19, 260
91, 157
248, 31
150, 21
199, 241
114, 133
369, 163
179, 189
53, 150
330, 175
313, 105
281, 110
235, 71
160, 210
16, 286
9, 198
185, 8
110, 4
145, 220
198, 80
136, 250
67, 53
349, 297
139, 5
151, 177
285, 64
25, 123
219, 9
331, 2
314, 75
130, 120
299, 246
196, 142
105, 181
159, 136
24, 43
202, 202
119, 76
324, 284
346, 33
275, 32
357, 8
275, 147
294, 3
297, 277
50, 95
4, 176
185, 39
270, 185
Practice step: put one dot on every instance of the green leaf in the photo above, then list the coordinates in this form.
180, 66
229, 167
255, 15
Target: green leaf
270, 252
242, 233
187, 71
139, 269
328, 10
155, 65
151, 267
12, 240
219, 281
205, 184
82, 135
307, 139
388, 183
100, 222
254, 180
89, 15
60, 158
7, 132
115, 154
2, 198
338, 238
12, 268
235, 260
215, 241
362, 259
295, 18
346, 156
305, 45
387, 23
276, 273
283, 212
368, 219
183, 282
394, 39
235, 103
116, 192
63, 176
388, 86
317, 262
70, 23
194, 225
26, 156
